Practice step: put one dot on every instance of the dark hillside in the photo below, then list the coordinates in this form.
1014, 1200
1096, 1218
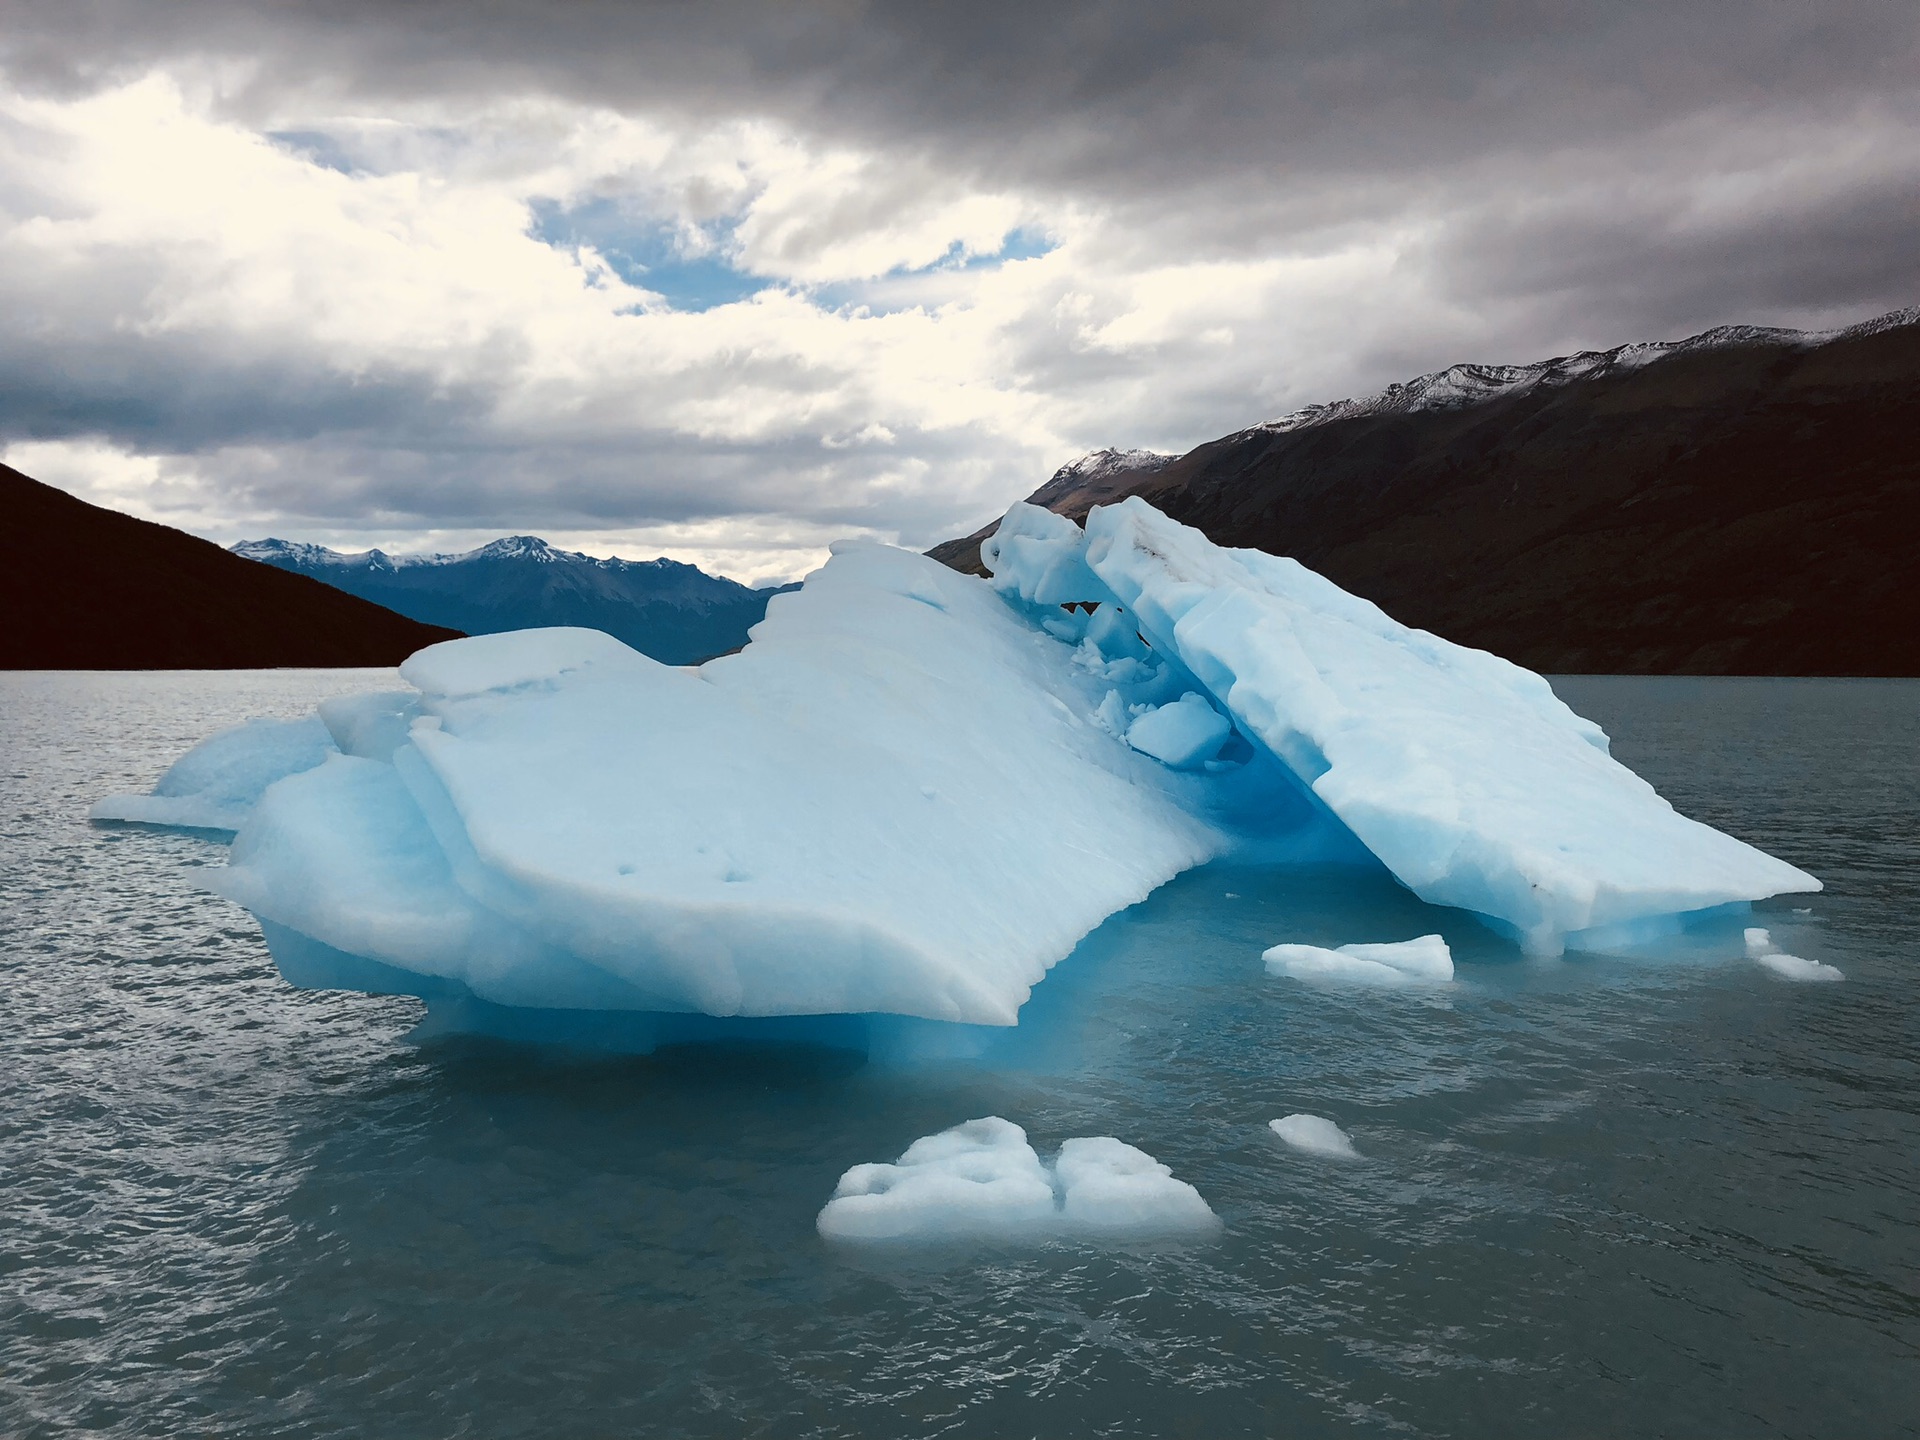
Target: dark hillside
90, 589
1745, 506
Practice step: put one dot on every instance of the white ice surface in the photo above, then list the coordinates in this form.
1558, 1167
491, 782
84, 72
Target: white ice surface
982, 1179
1316, 1135
370, 726
1463, 773
215, 785
1760, 947
1423, 961
897, 799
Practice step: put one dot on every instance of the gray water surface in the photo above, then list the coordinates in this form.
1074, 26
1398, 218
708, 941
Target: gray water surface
1665, 1194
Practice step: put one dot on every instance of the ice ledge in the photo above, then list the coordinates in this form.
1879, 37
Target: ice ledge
1464, 774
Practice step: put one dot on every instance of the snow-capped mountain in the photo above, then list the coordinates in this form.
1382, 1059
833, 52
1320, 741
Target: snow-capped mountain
1459, 386
1103, 469
675, 612
1744, 501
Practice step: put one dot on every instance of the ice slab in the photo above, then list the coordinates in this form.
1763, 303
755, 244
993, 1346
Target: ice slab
216, 784
899, 799
1760, 947
983, 1179
1316, 1135
1462, 773
1183, 734
1424, 961
1792, 967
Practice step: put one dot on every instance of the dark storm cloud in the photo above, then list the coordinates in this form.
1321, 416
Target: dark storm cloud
1223, 128
1122, 91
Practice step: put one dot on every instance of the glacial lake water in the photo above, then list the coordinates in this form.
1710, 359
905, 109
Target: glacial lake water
1666, 1194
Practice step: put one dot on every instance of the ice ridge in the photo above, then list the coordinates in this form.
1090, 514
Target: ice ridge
1462, 773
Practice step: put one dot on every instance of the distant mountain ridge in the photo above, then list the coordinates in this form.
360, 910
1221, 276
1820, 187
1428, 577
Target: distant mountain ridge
1459, 386
670, 610
85, 588
1744, 501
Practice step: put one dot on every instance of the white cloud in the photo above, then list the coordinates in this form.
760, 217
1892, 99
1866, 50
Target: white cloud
347, 327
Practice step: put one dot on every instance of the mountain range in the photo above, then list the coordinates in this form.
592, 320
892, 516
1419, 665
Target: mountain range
676, 613
84, 588
1746, 501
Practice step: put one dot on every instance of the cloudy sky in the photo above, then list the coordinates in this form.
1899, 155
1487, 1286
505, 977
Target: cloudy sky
728, 280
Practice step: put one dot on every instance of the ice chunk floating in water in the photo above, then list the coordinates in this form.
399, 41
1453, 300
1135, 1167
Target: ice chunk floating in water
1425, 961
913, 792
982, 1179
1464, 774
1316, 1135
1760, 947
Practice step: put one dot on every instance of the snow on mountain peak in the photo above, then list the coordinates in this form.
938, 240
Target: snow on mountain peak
299, 553
1097, 473
520, 547
1099, 464
1460, 386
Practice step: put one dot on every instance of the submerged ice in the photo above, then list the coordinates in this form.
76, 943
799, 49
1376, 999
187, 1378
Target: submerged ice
1760, 947
914, 792
982, 1179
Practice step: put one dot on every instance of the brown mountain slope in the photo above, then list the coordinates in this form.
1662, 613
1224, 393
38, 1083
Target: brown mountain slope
84, 588
1749, 506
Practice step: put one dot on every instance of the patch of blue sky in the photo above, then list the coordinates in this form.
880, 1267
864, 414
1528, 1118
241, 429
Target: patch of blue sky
318, 148
646, 253
897, 291
1018, 244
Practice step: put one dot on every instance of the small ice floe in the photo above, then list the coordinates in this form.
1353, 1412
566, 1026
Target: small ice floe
1760, 947
983, 1180
1425, 961
1316, 1135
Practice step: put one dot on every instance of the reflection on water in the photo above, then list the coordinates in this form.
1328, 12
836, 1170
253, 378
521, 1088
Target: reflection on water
1657, 1194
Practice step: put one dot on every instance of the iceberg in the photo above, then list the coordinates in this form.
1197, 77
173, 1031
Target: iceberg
1425, 961
914, 791
1465, 775
983, 1180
